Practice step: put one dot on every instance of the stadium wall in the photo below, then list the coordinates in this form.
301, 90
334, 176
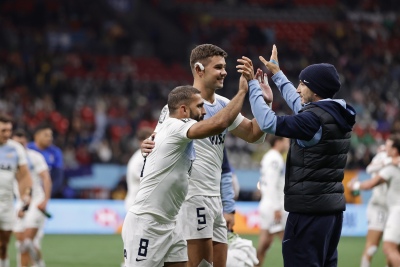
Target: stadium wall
106, 217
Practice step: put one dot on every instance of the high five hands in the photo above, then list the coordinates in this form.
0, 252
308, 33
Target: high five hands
273, 63
247, 70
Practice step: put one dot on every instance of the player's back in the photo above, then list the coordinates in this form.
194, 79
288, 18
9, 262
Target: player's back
164, 183
379, 192
272, 180
37, 165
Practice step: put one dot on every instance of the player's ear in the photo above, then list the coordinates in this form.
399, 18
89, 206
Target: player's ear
199, 68
184, 109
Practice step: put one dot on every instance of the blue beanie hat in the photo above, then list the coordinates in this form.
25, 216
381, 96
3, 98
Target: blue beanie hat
322, 79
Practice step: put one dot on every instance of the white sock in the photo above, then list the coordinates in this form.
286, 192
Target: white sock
5, 263
41, 263
28, 243
365, 262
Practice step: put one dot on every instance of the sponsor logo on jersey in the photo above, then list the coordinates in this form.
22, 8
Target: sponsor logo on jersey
217, 139
6, 167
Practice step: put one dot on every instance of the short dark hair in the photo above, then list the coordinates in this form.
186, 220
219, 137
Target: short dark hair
396, 141
20, 133
5, 118
180, 95
202, 52
273, 139
42, 127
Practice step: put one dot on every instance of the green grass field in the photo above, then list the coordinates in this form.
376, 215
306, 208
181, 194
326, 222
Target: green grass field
106, 250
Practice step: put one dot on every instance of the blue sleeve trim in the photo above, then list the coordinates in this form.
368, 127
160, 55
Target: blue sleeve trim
227, 193
226, 167
265, 116
290, 94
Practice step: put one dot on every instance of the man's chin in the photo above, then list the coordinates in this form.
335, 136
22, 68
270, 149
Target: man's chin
219, 86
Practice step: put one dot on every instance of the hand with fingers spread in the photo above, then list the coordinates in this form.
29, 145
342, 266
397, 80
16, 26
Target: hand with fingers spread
246, 68
266, 89
273, 63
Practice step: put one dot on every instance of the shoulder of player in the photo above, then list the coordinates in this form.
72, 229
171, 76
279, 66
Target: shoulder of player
272, 156
55, 149
34, 154
15, 144
178, 121
223, 100
186, 120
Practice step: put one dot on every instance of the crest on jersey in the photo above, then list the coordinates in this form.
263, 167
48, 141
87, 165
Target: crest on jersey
163, 115
186, 120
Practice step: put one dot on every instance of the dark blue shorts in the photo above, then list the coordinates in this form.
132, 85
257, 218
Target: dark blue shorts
311, 240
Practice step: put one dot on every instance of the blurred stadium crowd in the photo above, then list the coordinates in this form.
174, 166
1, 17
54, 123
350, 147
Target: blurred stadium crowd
99, 70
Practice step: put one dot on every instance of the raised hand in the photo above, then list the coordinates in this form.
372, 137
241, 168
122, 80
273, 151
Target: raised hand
246, 68
266, 89
273, 63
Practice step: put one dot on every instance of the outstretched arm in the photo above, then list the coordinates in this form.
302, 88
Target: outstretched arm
286, 88
249, 130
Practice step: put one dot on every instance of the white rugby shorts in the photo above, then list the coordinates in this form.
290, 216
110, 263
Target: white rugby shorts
376, 216
148, 243
392, 228
202, 217
267, 219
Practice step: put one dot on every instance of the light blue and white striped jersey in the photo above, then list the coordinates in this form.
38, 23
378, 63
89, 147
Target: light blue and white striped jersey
12, 155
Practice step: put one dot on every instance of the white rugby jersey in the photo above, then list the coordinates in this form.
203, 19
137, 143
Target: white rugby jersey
133, 171
272, 180
378, 196
391, 174
37, 165
206, 175
164, 184
12, 155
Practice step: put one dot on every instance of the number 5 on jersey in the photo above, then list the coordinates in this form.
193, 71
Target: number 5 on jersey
201, 218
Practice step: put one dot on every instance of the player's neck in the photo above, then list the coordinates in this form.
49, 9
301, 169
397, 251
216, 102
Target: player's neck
206, 93
39, 146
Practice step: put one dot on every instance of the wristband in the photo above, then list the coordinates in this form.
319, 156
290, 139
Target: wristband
356, 186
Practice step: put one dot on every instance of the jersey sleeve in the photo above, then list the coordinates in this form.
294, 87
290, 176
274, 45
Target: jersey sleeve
163, 116
387, 172
183, 126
